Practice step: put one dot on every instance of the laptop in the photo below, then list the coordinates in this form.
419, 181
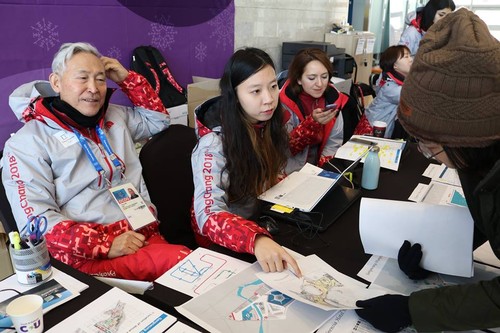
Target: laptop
326, 212
302, 190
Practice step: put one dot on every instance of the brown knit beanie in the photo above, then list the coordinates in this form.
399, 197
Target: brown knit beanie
452, 94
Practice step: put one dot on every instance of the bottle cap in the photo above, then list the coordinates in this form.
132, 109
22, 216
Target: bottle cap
375, 149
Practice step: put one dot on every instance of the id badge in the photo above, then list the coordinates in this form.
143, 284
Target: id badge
132, 205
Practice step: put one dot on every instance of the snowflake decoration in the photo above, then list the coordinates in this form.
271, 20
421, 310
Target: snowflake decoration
200, 51
162, 34
114, 52
45, 34
223, 27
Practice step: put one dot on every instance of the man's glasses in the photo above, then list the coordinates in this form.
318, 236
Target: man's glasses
426, 151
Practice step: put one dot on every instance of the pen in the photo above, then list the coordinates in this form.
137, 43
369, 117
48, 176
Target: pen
363, 142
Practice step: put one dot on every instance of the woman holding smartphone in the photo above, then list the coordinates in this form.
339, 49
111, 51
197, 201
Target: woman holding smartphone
313, 110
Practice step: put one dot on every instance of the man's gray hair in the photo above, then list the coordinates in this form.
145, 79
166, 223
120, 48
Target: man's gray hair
67, 51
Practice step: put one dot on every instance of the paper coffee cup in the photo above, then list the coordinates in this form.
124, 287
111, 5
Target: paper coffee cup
379, 128
26, 313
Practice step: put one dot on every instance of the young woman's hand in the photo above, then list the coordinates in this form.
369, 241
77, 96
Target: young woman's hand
272, 257
324, 116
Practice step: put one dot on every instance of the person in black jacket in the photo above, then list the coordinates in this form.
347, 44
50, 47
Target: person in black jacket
457, 73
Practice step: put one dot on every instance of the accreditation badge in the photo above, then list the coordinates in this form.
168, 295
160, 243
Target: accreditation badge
132, 205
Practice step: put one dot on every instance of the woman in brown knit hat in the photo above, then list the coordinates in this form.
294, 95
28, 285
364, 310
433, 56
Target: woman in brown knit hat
457, 73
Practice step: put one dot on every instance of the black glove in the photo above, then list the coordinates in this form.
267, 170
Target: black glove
409, 257
388, 313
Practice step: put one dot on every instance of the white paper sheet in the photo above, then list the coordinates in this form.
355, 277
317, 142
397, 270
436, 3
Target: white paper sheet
372, 268
347, 321
370, 44
200, 271
320, 285
116, 311
130, 286
67, 281
439, 193
390, 151
360, 46
485, 254
445, 233
441, 173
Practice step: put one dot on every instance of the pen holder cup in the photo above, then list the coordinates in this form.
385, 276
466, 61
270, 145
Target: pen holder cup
32, 265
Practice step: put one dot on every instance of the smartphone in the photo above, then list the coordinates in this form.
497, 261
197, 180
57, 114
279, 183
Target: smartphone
330, 107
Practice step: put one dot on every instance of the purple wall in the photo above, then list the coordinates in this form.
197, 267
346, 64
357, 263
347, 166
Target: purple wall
196, 37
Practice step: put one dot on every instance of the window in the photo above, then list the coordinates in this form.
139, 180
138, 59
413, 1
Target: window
487, 10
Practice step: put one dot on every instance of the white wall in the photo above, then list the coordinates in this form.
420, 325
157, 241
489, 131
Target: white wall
267, 23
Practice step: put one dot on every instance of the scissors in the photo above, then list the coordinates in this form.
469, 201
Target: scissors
36, 226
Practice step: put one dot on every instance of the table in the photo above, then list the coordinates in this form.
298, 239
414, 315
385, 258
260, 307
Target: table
342, 248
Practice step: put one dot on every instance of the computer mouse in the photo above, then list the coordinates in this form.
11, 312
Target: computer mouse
268, 223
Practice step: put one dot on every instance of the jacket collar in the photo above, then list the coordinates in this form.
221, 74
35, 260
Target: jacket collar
40, 108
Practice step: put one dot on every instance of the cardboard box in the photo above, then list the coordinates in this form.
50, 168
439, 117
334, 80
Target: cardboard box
198, 92
5, 263
178, 114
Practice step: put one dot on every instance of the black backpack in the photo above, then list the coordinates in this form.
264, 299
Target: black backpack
149, 62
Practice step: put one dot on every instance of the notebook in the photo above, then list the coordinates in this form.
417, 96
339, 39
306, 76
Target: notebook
302, 190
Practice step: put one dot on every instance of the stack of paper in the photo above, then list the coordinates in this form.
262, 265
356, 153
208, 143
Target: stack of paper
444, 188
253, 301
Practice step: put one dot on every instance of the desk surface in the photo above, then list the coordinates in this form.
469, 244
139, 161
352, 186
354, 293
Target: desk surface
340, 245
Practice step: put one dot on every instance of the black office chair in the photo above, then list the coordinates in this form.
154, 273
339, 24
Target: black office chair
6, 217
166, 163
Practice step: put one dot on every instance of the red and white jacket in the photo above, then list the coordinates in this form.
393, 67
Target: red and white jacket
46, 172
213, 217
308, 137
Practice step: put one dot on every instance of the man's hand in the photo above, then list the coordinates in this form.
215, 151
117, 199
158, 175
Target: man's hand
114, 70
127, 243
272, 257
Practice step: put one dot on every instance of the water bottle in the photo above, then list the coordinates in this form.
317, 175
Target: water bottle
371, 169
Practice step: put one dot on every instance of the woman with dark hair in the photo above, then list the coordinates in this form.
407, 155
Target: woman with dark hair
314, 110
395, 63
242, 151
421, 20
456, 70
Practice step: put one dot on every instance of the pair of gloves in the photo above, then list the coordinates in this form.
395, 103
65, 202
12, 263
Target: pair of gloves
391, 313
